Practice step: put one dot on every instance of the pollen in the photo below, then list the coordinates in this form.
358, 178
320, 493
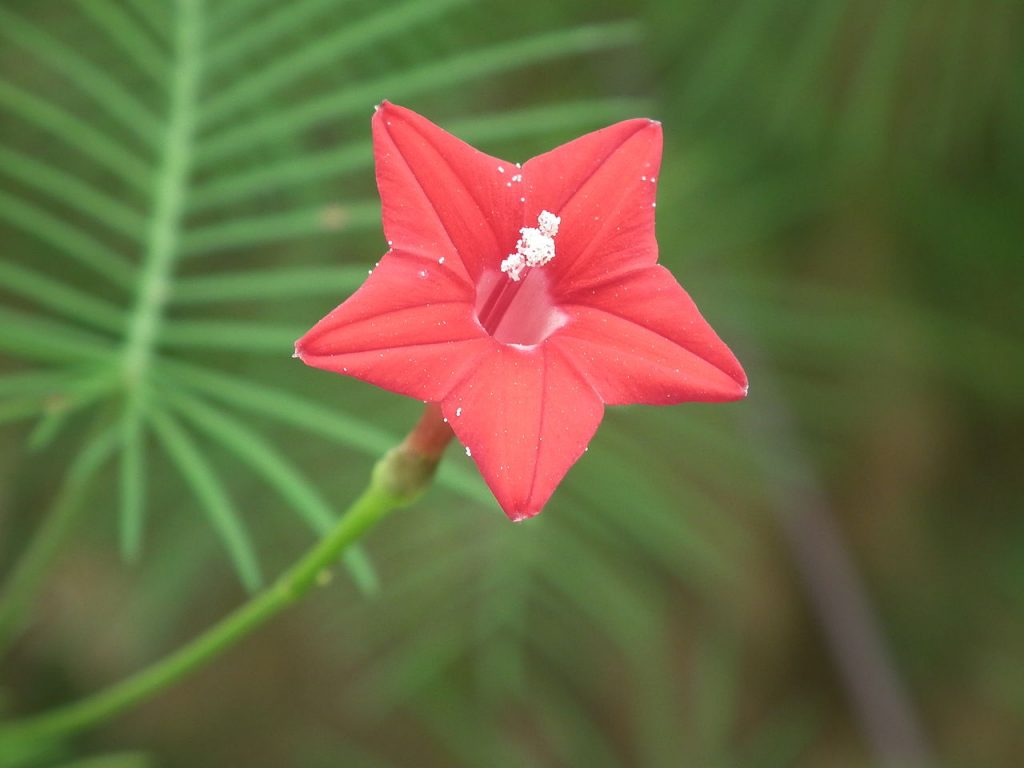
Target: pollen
535, 248
468, 452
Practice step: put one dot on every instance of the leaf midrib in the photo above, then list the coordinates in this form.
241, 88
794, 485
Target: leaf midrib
169, 194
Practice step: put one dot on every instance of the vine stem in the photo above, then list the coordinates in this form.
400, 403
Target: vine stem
375, 502
398, 479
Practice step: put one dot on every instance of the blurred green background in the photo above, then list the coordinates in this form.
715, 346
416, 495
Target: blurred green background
830, 573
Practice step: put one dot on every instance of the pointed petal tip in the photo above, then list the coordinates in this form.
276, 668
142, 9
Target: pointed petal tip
738, 389
520, 515
742, 385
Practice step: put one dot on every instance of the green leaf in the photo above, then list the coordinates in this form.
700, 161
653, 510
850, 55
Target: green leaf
309, 167
59, 297
340, 41
36, 381
448, 73
24, 407
252, 39
269, 284
209, 492
91, 142
123, 32
103, 89
72, 192
70, 240
74, 396
132, 479
243, 233
296, 490
231, 335
282, 405
33, 338
288, 408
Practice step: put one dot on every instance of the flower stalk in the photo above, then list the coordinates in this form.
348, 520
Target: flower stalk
399, 478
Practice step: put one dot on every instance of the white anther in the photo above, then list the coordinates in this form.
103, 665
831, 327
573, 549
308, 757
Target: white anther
535, 248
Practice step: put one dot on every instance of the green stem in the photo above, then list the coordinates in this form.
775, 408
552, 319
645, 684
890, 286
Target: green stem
168, 201
384, 494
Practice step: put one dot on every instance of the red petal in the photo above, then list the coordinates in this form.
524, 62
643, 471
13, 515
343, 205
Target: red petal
641, 339
442, 197
602, 186
527, 415
410, 328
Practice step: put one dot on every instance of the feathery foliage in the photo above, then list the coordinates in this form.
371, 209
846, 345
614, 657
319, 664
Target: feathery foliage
185, 186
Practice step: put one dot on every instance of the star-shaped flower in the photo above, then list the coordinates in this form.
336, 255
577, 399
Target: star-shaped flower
522, 299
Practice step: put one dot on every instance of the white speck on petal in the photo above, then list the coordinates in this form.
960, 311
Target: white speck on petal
501, 169
423, 273
458, 411
441, 260
468, 452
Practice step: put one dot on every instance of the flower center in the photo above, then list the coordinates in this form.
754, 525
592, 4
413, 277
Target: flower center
518, 309
535, 248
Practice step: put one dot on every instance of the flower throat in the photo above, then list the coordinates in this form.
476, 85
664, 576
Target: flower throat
516, 306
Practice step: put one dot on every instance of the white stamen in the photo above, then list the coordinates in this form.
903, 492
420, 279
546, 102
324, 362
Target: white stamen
548, 223
536, 246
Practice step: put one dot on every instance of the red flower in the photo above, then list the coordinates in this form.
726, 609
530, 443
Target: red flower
522, 299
